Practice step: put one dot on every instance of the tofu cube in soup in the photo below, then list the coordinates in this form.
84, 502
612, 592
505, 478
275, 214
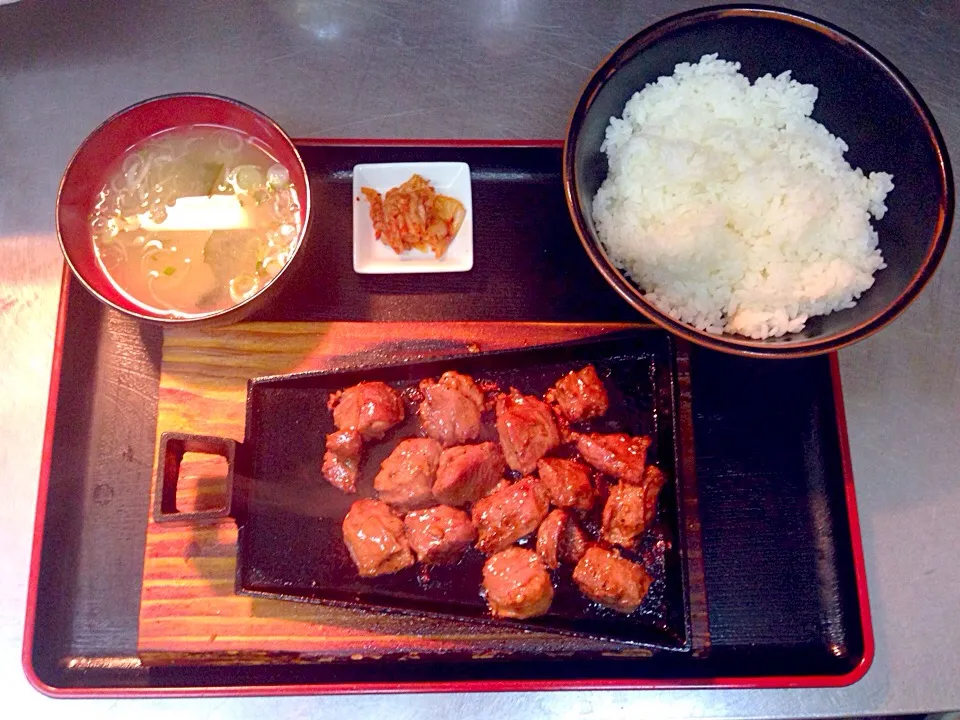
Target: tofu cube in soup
509, 514
451, 409
406, 476
516, 584
567, 483
620, 455
630, 509
527, 430
440, 534
375, 538
580, 395
468, 472
611, 580
370, 408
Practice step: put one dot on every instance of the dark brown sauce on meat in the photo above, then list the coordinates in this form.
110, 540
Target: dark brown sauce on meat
651, 547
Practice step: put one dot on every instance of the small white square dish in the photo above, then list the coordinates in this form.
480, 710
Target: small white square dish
370, 256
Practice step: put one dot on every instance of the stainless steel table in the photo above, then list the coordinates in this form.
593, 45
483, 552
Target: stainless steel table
482, 68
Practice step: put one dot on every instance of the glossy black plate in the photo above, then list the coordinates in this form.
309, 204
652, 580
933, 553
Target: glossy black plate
291, 542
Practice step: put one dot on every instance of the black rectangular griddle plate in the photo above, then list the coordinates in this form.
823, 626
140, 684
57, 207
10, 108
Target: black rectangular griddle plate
289, 518
781, 553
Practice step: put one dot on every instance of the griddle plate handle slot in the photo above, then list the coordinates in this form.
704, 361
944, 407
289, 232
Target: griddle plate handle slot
173, 445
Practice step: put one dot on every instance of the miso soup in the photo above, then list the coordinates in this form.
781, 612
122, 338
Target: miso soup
195, 220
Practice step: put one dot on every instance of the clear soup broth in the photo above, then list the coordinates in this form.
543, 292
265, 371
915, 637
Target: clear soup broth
195, 220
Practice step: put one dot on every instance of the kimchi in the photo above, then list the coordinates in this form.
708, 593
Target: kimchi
413, 216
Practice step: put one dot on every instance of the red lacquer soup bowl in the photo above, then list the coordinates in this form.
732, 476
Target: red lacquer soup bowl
87, 171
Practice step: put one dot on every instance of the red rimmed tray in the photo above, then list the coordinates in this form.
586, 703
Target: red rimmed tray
782, 604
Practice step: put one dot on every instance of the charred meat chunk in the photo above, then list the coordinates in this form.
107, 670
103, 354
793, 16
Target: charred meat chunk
580, 395
527, 430
406, 477
370, 408
509, 514
375, 539
567, 483
440, 534
516, 584
451, 407
468, 472
613, 581
504, 483
560, 539
620, 455
631, 508
341, 461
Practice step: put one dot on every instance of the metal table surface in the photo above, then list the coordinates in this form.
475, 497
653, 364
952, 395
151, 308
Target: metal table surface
480, 68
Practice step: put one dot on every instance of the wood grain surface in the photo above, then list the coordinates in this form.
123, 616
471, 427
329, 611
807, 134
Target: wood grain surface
188, 607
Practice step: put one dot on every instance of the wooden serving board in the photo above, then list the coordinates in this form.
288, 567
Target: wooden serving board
188, 608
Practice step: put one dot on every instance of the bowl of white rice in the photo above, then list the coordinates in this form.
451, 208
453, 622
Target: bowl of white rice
758, 181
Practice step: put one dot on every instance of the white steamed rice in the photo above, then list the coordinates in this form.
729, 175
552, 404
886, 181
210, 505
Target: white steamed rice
732, 208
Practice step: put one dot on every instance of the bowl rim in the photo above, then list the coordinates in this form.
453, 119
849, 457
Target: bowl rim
732, 343
212, 316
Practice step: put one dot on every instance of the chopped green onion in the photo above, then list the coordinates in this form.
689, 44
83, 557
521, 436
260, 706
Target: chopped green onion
278, 176
169, 270
248, 177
